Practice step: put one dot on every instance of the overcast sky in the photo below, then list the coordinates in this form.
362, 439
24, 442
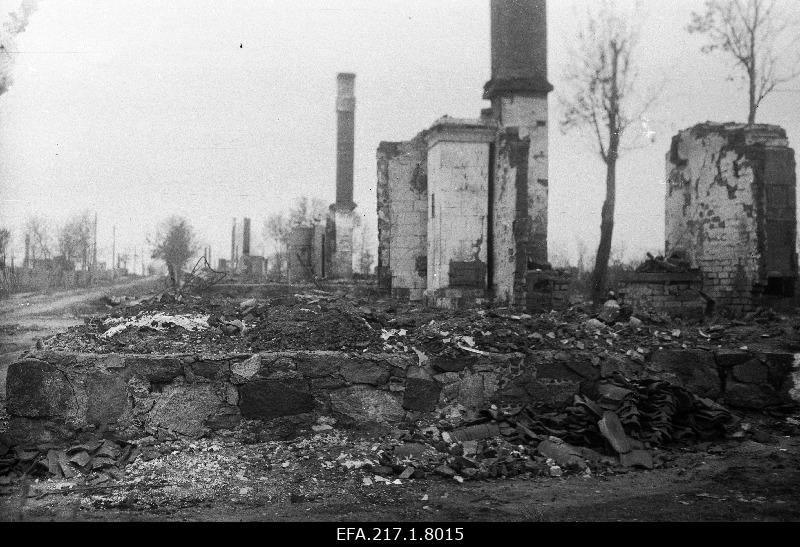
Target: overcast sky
139, 109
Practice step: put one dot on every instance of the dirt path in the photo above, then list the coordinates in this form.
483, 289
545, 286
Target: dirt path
27, 316
25, 307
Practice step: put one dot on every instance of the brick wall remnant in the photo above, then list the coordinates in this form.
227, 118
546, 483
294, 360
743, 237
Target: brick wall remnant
731, 211
677, 294
458, 186
402, 217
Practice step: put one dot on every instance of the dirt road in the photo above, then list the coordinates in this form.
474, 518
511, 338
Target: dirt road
25, 317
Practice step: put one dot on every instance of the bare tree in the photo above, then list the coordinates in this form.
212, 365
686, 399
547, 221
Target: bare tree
277, 229
5, 240
37, 238
75, 239
175, 244
754, 33
600, 96
307, 212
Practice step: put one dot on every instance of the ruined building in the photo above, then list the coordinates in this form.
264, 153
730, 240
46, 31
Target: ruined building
462, 207
731, 212
240, 244
327, 250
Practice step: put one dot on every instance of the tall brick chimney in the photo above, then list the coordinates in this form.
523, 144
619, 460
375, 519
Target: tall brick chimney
345, 140
519, 48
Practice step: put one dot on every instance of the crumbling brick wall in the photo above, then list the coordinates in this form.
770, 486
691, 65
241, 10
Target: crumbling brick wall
730, 208
510, 218
547, 290
676, 294
528, 115
339, 243
402, 217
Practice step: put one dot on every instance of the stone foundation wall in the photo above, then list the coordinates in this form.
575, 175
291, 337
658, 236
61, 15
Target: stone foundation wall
53, 397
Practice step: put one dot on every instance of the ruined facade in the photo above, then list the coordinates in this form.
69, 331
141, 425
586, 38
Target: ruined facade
731, 211
462, 207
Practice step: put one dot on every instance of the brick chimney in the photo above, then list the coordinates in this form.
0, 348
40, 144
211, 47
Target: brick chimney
519, 48
345, 140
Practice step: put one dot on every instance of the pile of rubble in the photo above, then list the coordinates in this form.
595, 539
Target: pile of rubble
318, 321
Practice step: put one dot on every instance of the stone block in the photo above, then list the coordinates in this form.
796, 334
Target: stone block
693, 369
364, 372
363, 404
753, 396
422, 391
752, 371
729, 358
106, 397
471, 391
36, 389
271, 398
160, 370
243, 372
184, 409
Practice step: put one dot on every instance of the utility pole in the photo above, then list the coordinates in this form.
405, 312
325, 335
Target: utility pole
94, 251
114, 253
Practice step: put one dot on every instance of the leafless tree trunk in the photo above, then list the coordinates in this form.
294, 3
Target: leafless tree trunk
753, 32
601, 79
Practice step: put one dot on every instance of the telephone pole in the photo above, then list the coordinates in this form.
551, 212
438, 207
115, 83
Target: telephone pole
114, 253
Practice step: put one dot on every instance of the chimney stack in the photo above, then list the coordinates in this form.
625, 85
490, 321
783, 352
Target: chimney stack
345, 140
519, 48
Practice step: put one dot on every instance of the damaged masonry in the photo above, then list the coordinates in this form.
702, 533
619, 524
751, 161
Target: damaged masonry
466, 376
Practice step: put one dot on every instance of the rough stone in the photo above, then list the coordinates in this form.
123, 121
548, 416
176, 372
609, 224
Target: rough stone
211, 370
552, 392
450, 364
184, 409
751, 372
226, 417
318, 364
159, 370
611, 428
690, 368
107, 397
447, 377
271, 398
36, 389
362, 404
622, 365
729, 358
356, 372
243, 372
471, 391
33, 431
562, 453
611, 311
637, 458
752, 396
422, 391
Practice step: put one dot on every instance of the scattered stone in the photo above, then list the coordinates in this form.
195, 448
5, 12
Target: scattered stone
422, 391
637, 458
611, 428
